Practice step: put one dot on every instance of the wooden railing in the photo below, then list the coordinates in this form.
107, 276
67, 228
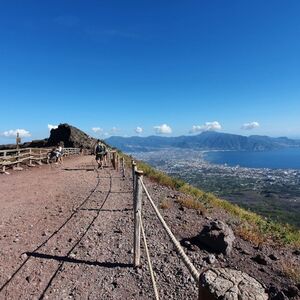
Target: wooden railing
138, 189
71, 151
14, 158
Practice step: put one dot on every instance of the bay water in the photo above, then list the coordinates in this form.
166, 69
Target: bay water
288, 158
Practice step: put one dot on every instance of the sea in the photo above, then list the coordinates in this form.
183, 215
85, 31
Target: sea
288, 158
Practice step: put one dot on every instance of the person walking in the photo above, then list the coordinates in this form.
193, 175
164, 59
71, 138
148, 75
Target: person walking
100, 152
59, 153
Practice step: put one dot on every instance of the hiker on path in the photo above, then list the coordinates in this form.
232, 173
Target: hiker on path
100, 152
59, 153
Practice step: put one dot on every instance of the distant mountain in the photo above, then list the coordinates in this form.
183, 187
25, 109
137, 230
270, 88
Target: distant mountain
208, 140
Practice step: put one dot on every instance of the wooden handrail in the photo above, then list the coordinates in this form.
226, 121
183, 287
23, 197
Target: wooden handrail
26, 155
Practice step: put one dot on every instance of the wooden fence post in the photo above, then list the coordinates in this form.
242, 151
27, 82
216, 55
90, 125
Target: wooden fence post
123, 167
114, 160
117, 162
4, 160
18, 167
133, 164
109, 158
137, 212
18, 157
30, 158
40, 158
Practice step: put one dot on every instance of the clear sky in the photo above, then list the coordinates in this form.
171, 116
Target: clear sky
168, 67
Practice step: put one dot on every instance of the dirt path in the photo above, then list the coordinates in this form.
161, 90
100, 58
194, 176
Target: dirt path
66, 233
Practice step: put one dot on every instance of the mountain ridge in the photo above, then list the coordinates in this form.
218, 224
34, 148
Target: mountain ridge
207, 140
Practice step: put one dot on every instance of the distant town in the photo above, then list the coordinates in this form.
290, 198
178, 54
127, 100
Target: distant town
274, 193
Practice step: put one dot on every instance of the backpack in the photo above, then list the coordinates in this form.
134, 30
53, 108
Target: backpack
100, 149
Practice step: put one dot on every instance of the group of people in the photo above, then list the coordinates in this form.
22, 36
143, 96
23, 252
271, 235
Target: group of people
57, 153
101, 152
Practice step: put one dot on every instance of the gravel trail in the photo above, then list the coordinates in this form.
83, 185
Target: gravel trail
66, 232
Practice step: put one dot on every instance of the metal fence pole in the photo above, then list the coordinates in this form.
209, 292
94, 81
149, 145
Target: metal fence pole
137, 213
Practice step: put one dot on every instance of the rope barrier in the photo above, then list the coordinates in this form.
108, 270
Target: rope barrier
149, 260
177, 245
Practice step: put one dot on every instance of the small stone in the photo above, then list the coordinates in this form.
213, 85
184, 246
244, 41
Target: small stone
260, 259
280, 296
296, 252
211, 259
24, 256
186, 244
221, 257
291, 291
245, 252
262, 270
273, 257
273, 291
28, 279
139, 271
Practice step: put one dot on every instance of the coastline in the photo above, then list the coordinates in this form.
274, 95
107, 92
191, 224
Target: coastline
273, 193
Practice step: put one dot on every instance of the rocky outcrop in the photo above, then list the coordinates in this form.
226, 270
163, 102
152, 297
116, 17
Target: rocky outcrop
228, 284
216, 236
71, 137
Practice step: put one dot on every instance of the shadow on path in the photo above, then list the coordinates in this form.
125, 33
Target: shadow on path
79, 169
110, 210
79, 261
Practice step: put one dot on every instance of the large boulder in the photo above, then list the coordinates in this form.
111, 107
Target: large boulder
216, 236
71, 136
228, 284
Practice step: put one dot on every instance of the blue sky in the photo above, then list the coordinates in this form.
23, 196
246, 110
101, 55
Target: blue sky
171, 65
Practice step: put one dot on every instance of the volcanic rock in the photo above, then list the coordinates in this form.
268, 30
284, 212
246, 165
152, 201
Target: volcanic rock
217, 236
71, 136
228, 284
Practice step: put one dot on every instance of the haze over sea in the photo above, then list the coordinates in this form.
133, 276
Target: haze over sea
276, 159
